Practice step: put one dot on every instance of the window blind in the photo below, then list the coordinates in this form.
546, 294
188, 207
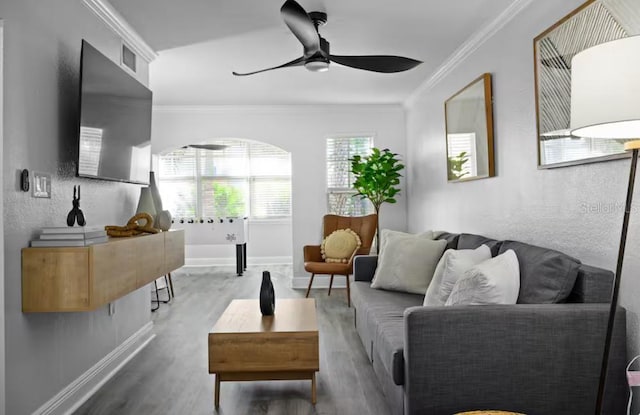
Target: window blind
243, 179
340, 192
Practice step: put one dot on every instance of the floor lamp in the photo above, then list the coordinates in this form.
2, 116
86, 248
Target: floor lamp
605, 103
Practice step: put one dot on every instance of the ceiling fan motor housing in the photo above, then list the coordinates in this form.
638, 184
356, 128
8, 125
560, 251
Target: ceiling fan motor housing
319, 61
318, 18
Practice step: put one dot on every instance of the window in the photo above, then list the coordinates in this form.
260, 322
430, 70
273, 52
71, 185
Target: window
243, 179
464, 143
561, 149
340, 192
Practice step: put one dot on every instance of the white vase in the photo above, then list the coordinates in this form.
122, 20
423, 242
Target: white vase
155, 192
162, 218
145, 204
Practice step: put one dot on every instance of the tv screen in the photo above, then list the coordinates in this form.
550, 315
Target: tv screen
115, 121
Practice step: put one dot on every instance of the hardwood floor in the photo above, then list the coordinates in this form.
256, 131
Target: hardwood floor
170, 375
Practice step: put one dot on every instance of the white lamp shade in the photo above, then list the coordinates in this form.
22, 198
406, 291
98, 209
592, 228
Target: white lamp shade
605, 90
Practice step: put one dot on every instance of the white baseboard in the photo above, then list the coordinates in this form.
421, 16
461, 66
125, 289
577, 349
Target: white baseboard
319, 281
231, 261
80, 390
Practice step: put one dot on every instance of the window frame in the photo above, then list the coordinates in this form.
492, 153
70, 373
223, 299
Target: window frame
344, 190
198, 179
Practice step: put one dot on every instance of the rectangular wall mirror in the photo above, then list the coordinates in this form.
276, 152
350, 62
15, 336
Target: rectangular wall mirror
593, 23
469, 132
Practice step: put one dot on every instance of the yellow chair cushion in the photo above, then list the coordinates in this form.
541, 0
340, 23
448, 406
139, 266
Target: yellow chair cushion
340, 245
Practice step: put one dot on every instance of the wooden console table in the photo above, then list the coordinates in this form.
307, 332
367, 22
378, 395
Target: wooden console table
86, 278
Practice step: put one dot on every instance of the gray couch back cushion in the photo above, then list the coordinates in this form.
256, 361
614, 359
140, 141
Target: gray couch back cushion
471, 241
451, 238
546, 276
593, 285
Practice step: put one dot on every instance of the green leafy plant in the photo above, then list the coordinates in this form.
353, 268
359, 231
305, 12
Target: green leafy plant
227, 200
456, 166
377, 178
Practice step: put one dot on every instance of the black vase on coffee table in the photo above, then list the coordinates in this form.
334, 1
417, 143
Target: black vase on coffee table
267, 295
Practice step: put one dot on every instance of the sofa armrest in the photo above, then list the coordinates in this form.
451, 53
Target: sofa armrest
364, 266
542, 358
311, 253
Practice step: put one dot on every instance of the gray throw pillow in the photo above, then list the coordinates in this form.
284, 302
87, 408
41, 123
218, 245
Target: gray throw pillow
407, 263
546, 276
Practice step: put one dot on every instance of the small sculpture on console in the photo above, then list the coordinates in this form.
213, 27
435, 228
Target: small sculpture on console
76, 214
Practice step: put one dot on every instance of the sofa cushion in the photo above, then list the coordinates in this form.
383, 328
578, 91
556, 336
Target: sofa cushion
593, 285
450, 269
546, 276
385, 234
494, 281
383, 312
407, 263
451, 238
471, 241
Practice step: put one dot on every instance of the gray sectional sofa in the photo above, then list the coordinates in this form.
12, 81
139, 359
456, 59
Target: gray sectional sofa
541, 356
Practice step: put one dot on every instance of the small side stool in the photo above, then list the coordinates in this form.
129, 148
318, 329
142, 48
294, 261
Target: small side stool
168, 282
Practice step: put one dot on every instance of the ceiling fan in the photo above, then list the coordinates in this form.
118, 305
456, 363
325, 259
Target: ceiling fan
316, 56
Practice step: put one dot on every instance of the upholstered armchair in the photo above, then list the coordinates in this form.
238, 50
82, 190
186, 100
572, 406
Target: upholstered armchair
364, 226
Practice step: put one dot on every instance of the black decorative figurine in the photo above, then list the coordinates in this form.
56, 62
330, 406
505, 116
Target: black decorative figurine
76, 213
267, 295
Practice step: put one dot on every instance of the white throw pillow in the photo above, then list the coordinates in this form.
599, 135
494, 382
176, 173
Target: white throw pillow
450, 269
386, 233
407, 263
495, 281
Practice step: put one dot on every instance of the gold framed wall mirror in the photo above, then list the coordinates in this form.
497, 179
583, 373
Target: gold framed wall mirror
469, 132
593, 23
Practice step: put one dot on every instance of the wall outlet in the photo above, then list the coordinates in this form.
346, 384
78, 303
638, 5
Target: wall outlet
112, 308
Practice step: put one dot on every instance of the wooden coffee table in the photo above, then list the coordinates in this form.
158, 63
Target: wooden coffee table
245, 345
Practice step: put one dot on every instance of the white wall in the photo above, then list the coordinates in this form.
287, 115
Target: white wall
301, 130
568, 209
45, 352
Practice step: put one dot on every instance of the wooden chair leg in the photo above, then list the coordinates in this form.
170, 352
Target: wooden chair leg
310, 282
330, 284
348, 292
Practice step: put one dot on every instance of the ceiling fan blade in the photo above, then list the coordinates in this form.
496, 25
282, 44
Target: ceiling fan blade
377, 63
295, 62
207, 146
298, 21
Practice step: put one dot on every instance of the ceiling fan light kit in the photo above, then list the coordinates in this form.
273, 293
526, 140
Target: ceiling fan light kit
316, 55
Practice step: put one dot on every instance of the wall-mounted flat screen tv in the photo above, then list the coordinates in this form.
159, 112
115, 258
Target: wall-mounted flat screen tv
115, 121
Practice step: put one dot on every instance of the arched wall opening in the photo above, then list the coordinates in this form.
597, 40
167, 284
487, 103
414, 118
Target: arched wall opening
301, 130
211, 185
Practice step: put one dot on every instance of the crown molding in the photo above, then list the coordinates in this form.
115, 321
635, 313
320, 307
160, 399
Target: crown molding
114, 21
274, 109
467, 48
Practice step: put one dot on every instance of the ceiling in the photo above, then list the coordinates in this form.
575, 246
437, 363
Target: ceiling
201, 42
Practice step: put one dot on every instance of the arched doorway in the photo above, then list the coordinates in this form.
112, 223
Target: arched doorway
233, 178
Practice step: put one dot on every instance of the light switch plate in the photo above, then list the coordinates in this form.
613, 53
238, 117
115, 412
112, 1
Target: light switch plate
41, 186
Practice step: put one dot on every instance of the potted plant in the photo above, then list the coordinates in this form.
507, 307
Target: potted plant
377, 178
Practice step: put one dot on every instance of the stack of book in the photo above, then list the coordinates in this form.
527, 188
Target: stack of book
70, 236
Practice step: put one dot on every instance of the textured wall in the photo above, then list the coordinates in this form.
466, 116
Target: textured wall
577, 210
301, 130
45, 352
